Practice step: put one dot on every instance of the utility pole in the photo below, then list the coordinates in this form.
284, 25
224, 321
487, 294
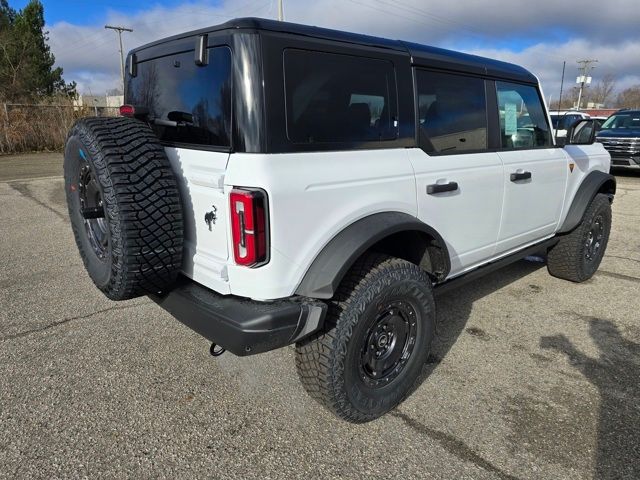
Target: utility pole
584, 78
280, 11
120, 30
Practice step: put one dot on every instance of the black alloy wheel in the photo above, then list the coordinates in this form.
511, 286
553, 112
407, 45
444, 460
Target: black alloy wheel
92, 210
388, 343
594, 239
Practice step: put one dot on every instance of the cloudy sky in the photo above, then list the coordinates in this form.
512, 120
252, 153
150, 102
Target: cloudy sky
539, 34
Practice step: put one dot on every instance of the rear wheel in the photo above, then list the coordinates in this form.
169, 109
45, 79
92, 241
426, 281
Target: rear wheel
124, 206
376, 340
577, 255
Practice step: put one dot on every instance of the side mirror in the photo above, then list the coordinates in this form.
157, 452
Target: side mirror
583, 132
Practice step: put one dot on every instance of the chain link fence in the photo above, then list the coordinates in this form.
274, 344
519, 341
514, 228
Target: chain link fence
35, 127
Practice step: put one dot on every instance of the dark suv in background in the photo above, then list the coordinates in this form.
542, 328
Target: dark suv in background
620, 135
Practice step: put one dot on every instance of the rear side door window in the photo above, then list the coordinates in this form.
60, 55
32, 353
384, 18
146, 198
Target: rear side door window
452, 112
335, 98
523, 121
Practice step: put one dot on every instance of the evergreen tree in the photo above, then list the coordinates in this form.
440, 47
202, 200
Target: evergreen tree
26, 62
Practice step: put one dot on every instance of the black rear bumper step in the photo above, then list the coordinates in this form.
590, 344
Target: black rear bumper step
240, 325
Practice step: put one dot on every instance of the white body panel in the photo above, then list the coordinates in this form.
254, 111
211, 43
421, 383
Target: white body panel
587, 159
531, 208
314, 196
201, 182
468, 219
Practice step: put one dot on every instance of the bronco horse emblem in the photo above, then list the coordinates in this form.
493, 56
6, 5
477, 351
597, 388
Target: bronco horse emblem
211, 217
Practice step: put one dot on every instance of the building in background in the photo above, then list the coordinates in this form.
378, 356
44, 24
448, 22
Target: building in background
102, 104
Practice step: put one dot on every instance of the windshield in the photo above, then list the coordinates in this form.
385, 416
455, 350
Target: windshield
622, 120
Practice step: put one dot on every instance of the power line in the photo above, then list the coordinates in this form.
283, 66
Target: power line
434, 18
120, 30
419, 16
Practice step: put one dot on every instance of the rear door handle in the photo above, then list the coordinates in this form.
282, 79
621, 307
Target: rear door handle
520, 176
441, 187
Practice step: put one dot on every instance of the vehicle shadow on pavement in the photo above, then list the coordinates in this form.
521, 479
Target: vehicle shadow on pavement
454, 308
453, 312
615, 373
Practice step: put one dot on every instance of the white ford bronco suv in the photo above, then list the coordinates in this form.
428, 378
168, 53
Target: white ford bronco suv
271, 184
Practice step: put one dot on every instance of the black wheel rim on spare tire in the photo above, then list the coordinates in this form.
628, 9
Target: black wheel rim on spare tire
92, 210
388, 343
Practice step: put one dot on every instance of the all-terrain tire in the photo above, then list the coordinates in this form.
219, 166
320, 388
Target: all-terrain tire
575, 257
117, 167
330, 363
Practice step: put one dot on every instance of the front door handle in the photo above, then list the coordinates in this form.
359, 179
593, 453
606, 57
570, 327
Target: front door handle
520, 176
441, 187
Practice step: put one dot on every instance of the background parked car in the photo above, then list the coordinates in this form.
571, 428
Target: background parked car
620, 135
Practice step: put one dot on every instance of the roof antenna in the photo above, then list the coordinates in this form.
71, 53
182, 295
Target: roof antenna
280, 11
564, 65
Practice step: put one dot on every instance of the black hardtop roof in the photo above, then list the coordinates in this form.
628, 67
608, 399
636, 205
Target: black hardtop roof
420, 54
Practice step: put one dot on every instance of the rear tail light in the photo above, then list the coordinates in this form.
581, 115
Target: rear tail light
249, 226
133, 111
127, 111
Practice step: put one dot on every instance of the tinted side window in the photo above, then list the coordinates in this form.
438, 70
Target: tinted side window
452, 112
187, 103
523, 122
338, 98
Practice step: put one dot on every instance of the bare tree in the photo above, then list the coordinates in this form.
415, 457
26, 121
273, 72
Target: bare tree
602, 91
629, 98
569, 99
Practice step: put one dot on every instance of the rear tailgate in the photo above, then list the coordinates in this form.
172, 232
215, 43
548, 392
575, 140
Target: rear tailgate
201, 179
187, 102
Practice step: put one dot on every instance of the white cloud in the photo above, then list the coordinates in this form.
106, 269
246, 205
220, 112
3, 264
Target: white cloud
563, 31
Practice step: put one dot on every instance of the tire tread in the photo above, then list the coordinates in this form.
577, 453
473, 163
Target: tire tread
318, 357
565, 259
143, 206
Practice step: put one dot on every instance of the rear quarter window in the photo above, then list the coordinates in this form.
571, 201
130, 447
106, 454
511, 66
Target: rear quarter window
187, 103
335, 98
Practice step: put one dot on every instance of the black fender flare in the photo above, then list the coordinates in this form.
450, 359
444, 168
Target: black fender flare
332, 263
593, 183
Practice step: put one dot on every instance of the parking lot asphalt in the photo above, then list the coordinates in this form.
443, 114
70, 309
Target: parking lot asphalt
531, 377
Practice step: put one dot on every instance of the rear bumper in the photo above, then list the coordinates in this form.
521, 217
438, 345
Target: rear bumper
242, 326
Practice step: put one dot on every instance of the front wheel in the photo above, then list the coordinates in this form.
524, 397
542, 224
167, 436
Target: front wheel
375, 342
577, 255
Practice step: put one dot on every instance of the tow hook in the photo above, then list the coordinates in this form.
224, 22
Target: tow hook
216, 350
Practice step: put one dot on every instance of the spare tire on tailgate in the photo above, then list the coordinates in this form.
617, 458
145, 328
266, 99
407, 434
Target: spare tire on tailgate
124, 206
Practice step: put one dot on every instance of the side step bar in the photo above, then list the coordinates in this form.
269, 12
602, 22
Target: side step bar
455, 282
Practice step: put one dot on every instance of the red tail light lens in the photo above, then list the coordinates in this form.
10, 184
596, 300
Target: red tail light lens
249, 226
127, 111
